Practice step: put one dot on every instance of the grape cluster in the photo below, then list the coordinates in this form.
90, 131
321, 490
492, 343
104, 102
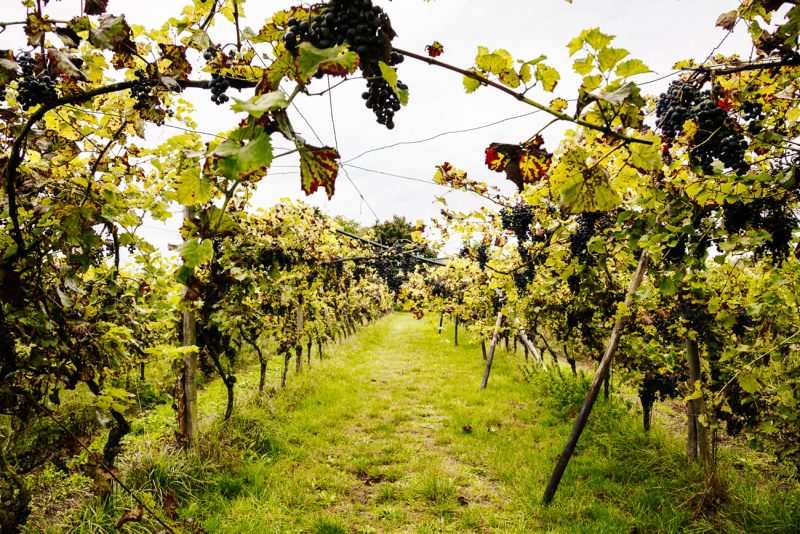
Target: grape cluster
389, 270
580, 238
768, 214
673, 108
716, 137
657, 386
34, 90
218, 86
695, 315
365, 28
753, 113
498, 300
482, 255
518, 219
141, 90
522, 279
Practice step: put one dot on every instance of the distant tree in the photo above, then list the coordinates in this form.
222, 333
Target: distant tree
348, 225
393, 232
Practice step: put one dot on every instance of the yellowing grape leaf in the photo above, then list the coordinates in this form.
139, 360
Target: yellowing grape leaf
631, 67
559, 104
318, 168
191, 189
582, 187
390, 75
584, 66
609, 57
749, 383
596, 39
548, 76
471, 84
646, 157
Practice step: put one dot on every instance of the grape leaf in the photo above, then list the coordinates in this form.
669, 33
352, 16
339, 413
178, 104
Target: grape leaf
631, 67
113, 33
471, 84
195, 252
179, 67
559, 104
35, 27
584, 65
749, 383
261, 104
336, 61
646, 157
581, 187
435, 49
318, 168
191, 189
390, 75
596, 39
238, 161
95, 7
548, 76
609, 57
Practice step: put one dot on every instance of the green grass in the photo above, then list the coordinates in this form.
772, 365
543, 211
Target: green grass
393, 434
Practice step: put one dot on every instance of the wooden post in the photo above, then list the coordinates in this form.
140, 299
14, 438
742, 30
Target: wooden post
298, 318
456, 332
441, 320
698, 406
529, 347
594, 389
189, 426
483, 348
492, 347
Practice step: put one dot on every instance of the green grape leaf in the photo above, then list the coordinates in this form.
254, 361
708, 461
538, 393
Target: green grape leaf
318, 168
631, 67
195, 252
336, 61
390, 75
590, 83
236, 160
559, 104
749, 383
582, 187
548, 76
258, 105
609, 57
191, 189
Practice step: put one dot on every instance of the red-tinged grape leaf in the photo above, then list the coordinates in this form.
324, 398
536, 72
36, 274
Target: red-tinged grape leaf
95, 7
318, 168
179, 67
236, 159
63, 65
390, 75
496, 160
336, 61
724, 104
534, 162
113, 34
35, 28
582, 187
435, 49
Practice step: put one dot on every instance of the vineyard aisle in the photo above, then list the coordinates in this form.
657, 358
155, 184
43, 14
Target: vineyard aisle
393, 434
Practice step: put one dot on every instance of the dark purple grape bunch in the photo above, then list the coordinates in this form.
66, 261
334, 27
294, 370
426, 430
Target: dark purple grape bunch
141, 90
34, 90
218, 84
365, 28
753, 114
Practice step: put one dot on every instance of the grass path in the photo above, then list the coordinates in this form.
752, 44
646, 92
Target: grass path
393, 434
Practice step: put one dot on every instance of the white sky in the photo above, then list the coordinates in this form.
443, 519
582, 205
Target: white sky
660, 32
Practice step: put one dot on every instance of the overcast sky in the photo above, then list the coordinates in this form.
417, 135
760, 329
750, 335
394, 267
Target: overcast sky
660, 32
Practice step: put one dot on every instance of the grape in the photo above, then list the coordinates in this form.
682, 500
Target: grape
141, 90
768, 214
716, 137
33, 89
366, 30
482, 255
218, 86
518, 219
580, 238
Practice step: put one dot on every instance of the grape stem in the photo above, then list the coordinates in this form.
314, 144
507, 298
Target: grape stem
522, 98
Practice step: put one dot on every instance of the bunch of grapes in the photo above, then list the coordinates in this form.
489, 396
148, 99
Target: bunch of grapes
580, 238
390, 272
518, 219
218, 86
695, 315
482, 255
753, 113
34, 90
768, 214
716, 139
498, 300
365, 28
673, 108
522, 279
716, 136
657, 385
141, 90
